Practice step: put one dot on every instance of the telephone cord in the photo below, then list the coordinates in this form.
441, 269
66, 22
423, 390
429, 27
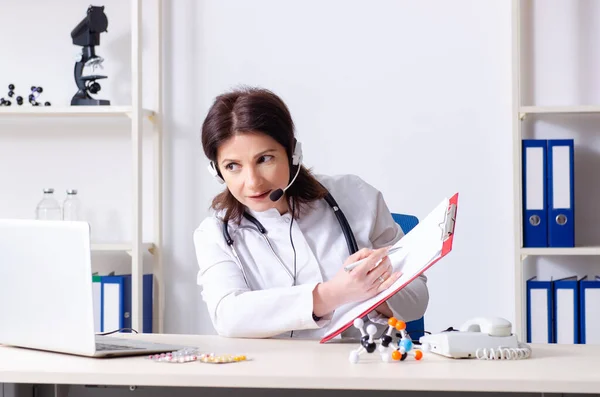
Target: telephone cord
505, 353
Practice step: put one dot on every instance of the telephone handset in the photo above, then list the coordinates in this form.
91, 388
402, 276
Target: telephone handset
493, 326
485, 338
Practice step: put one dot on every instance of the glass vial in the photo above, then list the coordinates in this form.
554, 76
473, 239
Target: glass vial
48, 208
71, 206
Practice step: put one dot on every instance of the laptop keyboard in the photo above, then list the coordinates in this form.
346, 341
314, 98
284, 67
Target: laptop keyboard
107, 346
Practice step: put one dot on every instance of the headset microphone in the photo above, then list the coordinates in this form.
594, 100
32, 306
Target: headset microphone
296, 160
276, 194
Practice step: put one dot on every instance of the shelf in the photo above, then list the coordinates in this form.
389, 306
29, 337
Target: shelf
590, 251
525, 110
107, 247
71, 111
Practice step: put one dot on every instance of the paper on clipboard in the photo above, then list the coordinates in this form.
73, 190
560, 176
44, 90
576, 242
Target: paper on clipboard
423, 246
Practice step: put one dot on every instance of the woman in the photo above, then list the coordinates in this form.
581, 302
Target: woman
290, 281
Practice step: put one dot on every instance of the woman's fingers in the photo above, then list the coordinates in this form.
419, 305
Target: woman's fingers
388, 283
380, 273
358, 255
372, 261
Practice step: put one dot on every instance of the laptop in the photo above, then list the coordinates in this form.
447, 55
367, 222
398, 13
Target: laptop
46, 298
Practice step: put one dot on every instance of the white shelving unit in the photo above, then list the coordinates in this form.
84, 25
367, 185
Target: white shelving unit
525, 110
136, 115
559, 251
520, 112
73, 111
115, 247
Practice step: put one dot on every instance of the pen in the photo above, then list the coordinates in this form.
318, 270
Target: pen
360, 262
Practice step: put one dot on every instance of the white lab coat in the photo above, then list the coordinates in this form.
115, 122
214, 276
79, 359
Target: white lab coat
271, 306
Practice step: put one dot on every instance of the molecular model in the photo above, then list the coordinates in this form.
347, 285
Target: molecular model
368, 343
35, 93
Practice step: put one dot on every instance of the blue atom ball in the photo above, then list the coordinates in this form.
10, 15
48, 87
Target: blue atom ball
406, 344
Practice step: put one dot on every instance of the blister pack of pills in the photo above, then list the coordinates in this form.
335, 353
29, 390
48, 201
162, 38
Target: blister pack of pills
222, 358
194, 354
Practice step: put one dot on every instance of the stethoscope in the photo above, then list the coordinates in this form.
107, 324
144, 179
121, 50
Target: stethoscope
260, 229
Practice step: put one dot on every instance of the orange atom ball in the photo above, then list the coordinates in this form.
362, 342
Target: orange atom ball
418, 354
396, 355
392, 321
400, 325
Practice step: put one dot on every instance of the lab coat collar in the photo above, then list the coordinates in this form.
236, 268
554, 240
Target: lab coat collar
271, 213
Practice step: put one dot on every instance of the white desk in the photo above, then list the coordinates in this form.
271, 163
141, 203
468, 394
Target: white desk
310, 365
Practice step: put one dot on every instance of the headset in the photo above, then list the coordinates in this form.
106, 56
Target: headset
274, 196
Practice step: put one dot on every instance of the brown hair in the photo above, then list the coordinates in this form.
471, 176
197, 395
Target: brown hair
246, 110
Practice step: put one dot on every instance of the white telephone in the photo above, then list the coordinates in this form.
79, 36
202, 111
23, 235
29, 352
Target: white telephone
485, 338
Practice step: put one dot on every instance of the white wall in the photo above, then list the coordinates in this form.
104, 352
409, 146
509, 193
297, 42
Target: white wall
415, 97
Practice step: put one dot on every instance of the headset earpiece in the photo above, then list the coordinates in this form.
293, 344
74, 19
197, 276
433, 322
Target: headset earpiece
297, 156
212, 168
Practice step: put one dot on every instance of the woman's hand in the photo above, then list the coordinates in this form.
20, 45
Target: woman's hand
363, 282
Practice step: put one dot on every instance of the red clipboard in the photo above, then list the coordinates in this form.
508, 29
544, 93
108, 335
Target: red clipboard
447, 238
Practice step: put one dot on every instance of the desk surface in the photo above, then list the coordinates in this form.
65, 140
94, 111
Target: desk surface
307, 364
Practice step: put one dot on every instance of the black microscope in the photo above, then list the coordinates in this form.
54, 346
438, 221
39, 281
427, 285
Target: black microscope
87, 35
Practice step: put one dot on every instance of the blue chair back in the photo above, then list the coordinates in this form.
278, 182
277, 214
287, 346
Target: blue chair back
414, 328
406, 222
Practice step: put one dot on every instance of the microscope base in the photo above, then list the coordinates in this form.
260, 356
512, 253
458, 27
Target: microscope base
89, 102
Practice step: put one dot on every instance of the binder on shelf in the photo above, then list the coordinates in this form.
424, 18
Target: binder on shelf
561, 198
540, 301
146, 302
566, 310
589, 301
534, 179
111, 303
116, 303
96, 292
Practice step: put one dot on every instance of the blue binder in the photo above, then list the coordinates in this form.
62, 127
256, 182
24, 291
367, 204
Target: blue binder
534, 179
115, 304
146, 302
111, 303
589, 302
566, 311
561, 197
540, 301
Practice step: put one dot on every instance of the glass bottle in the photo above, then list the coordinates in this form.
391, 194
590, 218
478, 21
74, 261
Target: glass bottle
48, 208
71, 206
